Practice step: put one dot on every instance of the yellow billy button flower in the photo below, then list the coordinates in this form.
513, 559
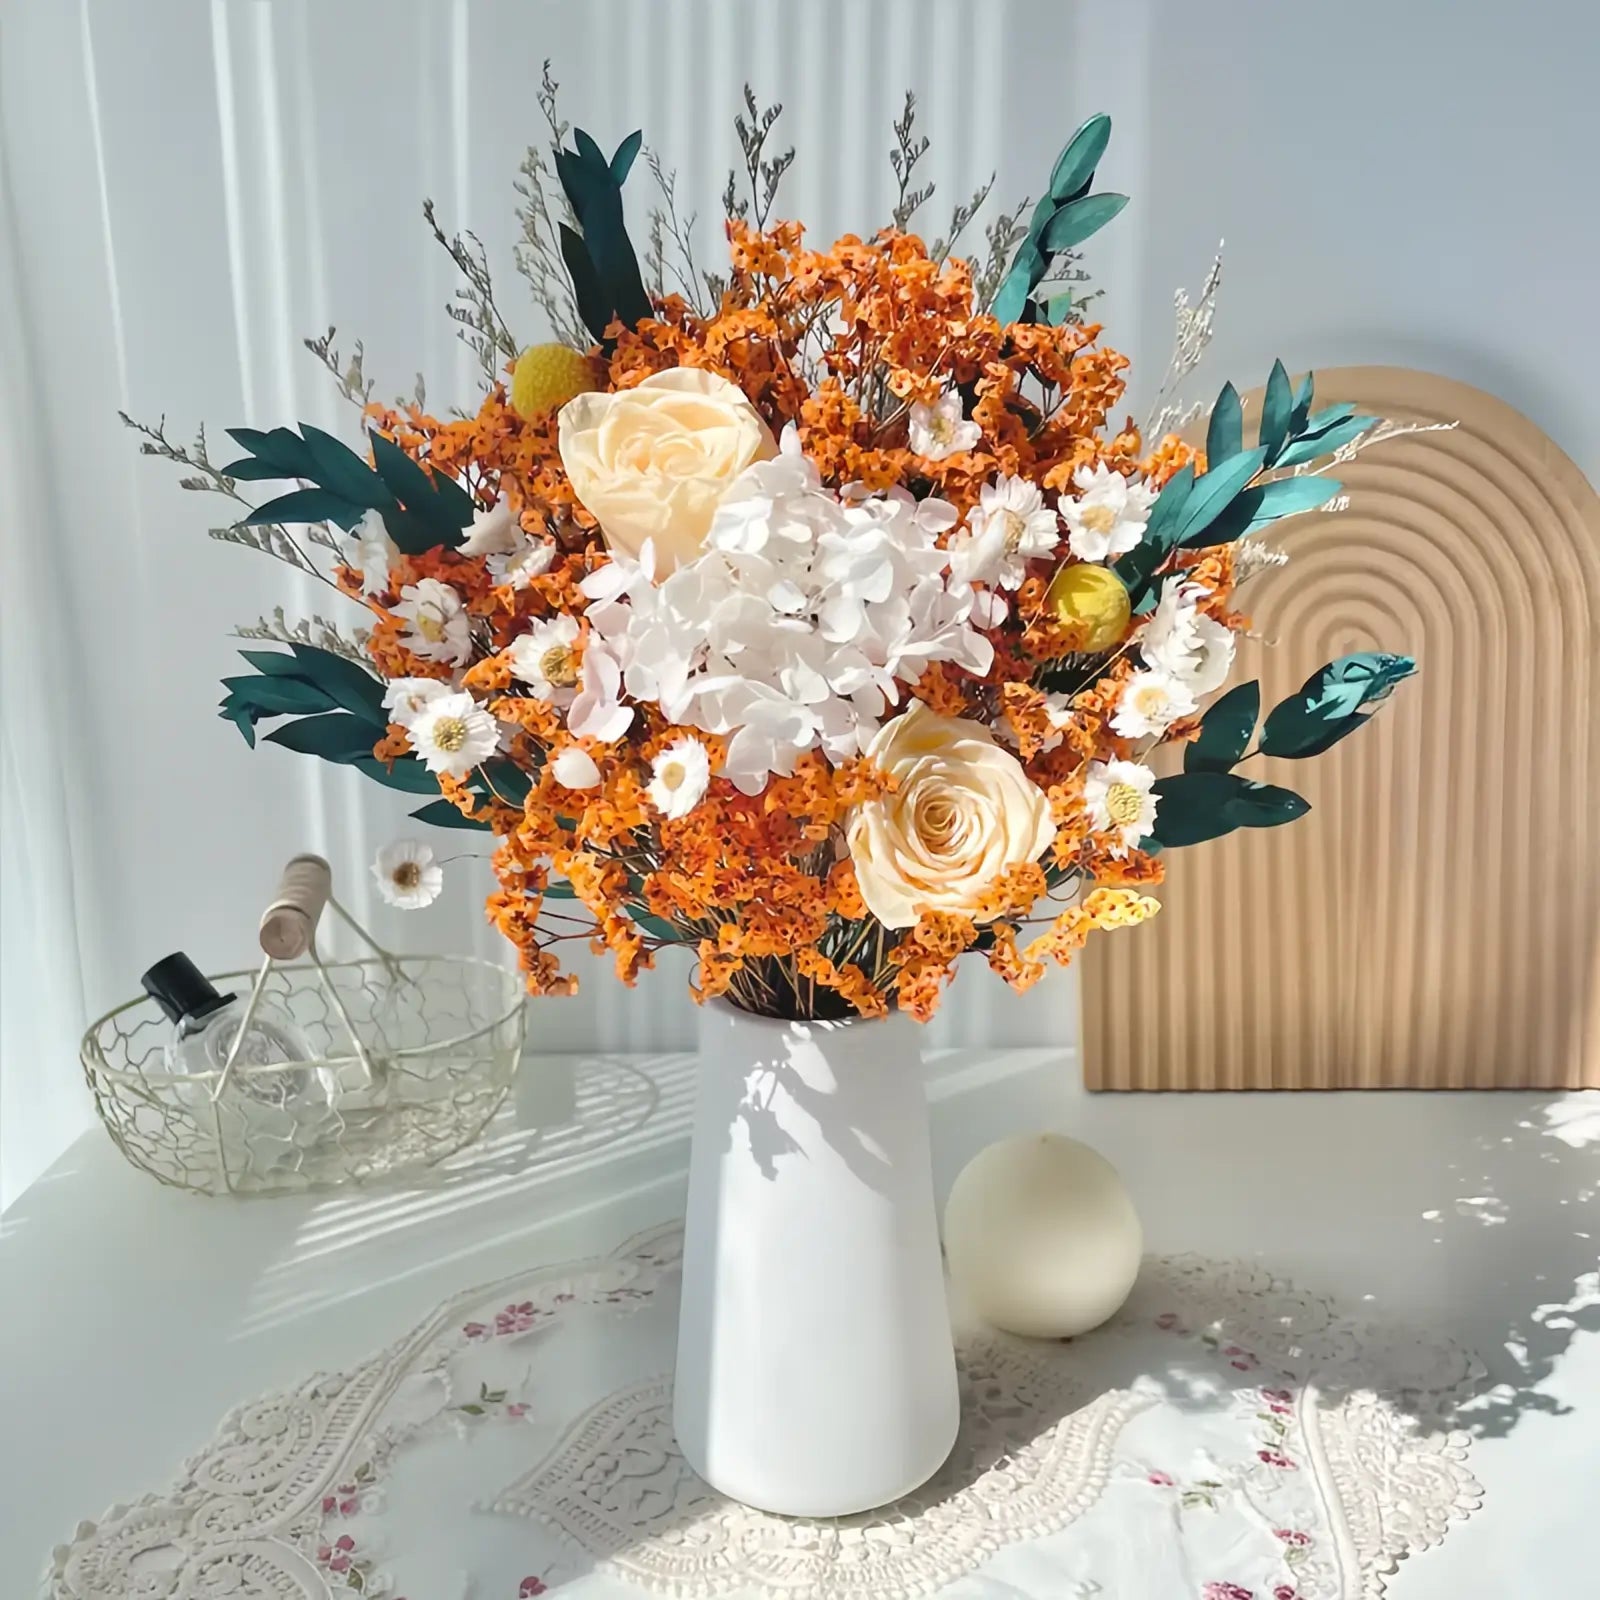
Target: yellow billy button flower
1091, 605
546, 376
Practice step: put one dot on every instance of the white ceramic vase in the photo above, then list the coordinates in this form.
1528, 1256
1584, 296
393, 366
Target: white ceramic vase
816, 1374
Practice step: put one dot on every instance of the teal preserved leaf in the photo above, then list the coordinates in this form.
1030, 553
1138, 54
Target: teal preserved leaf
247, 469
335, 736
1276, 405
594, 306
1264, 504
407, 774
1079, 219
1301, 409
1192, 807
442, 814
1328, 705
338, 468
1019, 281
307, 505
1225, 730
1265, 805
1225, 431
276, 695
623, 158
280, 448
351, 685
1315, 445
1074, 168
1212, 494
418, 492
1137, 568
1321, 421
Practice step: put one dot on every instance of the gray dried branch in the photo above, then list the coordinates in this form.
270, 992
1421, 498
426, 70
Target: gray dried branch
315, 631
271, 539
353, 383
1002, 237
1192, 335
961, 217
667, 228
907, 152
209, 479
537, 253
753, 126
482, 329
1383, 430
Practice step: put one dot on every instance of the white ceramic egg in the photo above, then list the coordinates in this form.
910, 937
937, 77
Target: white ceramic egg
1041, 1236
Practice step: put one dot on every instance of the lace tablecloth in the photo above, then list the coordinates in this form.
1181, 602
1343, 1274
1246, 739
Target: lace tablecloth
1227, 1437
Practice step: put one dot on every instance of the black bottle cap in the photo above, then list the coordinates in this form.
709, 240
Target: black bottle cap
181, 989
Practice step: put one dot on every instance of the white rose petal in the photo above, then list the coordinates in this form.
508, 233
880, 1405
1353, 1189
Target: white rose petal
653, 462
964, 811
574, 768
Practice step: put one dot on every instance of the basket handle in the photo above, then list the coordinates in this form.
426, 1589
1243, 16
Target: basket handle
289, 924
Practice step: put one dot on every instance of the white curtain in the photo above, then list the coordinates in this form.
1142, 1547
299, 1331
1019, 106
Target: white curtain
192, 186
192, 189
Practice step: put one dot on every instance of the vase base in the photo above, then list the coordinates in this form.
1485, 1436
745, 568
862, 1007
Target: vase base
818, 1505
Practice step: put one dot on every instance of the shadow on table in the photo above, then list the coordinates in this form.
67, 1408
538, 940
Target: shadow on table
603, 1112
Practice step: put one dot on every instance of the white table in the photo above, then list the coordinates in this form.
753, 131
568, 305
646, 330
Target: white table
134, 1316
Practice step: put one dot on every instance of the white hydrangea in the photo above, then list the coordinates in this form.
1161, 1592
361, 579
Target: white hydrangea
793, 628
1192, 649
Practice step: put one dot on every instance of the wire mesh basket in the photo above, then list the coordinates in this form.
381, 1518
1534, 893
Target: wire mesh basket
409, 1057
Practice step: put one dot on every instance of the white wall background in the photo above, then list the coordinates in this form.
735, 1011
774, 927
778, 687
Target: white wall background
188, 188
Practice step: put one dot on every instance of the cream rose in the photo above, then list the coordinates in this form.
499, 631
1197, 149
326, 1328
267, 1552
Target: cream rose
963, 812
652, 462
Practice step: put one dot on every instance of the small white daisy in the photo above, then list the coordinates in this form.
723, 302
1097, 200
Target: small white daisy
404, 698
546, 659
1120, 803
407, 874
678, 778
574, 768
939, 430
440, 629
1009, 526
494, 532
453, 734
517, 568
1110, 514
1193, 649
369, 549
1151, 702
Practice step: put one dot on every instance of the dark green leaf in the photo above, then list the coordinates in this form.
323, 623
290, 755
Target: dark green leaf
1213, 492
1077, 220
243, 721
1075, 165
1301, 409
1138, 566
281, 448
407, 773
1268, 502
510, 782
1327, 707
593, 305
277, 695
1276, 406
339, 469
413, 535
589, 151
1225, 432
307, 505
350, 684
335, 736
1324, 444
1224, 730
417, 491
1042, 213
442, 814
1265, 805
654, 925
606, 235
1322, 420
1192, 807
273, 661
247, 469
623, 158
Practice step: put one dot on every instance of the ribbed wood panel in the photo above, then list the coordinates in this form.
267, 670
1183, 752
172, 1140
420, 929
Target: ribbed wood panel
1435, 922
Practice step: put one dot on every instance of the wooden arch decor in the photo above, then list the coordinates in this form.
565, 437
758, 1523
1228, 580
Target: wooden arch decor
1435, 922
